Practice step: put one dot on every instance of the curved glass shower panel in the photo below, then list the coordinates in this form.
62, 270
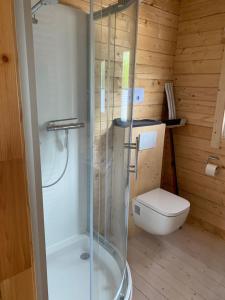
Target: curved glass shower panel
115, 41
60, 37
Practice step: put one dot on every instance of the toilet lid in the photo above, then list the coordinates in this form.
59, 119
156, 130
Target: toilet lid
164, 202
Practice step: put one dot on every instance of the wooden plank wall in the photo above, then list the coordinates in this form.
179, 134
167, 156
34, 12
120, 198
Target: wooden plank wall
157, 34
200, 47
156, 45
157, 31
15, 244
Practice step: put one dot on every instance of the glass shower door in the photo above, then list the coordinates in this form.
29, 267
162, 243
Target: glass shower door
115, 41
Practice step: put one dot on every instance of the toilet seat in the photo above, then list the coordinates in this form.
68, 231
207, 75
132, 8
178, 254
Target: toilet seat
163, 202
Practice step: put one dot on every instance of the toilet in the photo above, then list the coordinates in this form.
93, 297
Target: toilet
160, 212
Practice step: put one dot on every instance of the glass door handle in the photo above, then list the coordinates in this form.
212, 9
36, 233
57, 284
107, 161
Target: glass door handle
134, 146
130, 145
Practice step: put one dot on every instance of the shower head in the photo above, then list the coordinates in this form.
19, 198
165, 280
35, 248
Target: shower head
38, 5
51, 1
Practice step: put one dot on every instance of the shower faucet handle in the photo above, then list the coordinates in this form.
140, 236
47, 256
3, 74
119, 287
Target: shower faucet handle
64, 124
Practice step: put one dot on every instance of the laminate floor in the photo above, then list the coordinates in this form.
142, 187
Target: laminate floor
188, 264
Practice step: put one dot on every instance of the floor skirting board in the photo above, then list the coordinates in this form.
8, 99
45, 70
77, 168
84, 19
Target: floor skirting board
206, 226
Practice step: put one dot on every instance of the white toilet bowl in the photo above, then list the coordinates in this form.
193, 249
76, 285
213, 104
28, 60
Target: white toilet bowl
160, 212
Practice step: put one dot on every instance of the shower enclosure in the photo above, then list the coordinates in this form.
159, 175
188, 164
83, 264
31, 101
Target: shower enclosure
83, 56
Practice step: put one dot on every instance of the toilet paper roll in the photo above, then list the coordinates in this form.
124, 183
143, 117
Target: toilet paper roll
211, 169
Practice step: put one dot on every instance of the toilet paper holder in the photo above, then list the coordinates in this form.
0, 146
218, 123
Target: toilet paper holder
212, 169
212, 157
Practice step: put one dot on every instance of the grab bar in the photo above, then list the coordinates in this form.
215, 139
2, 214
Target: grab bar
63, 124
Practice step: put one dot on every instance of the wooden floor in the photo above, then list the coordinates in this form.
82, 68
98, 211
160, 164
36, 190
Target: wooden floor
189, 264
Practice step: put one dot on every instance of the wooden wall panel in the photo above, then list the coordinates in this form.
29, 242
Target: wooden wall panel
197, 68
156, 46
15, 245
85, 4
9, 113
19, 287
15, 242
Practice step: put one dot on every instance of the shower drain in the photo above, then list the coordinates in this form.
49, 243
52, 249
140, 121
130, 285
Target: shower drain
85, 256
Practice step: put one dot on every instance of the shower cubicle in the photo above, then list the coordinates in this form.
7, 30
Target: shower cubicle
79, 70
